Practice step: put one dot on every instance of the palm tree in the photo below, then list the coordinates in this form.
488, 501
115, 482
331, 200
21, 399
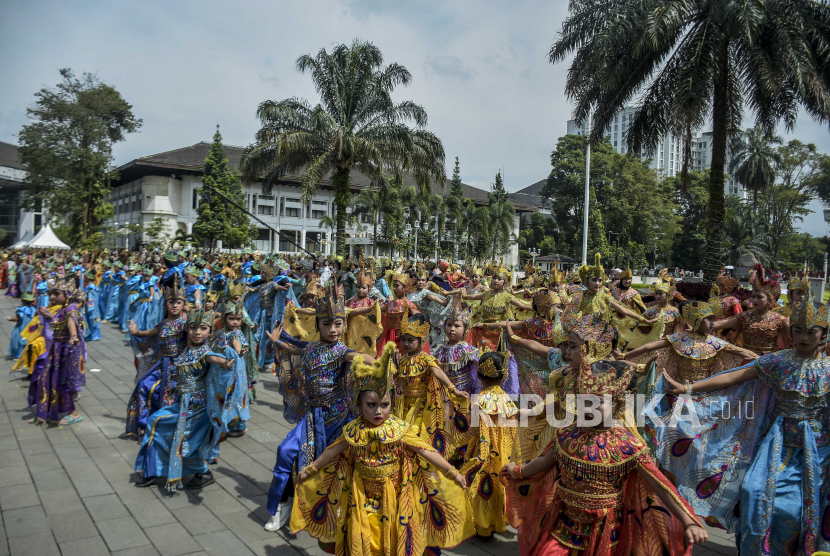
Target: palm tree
501, 225
753, 160
744, 235
475, 220
355, 126
694, 60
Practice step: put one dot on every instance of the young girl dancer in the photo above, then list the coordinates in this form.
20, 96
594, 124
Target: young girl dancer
380, 489
315, 399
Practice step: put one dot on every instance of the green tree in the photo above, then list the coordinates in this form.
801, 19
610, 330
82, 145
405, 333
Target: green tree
537, 231
627, 198
356, 126
67, 151
455, 209
753, 160
688, 247
502, 221
218, 219
743, 235
156, 232
692, 62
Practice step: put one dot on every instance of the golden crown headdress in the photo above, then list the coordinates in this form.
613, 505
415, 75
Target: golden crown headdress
596, 271
759, 282
606, 378
808, 315
664, 283
237, 288
694, 312
229, 306
544, 303
174, 292
375, 377
598, 336
413, 328
503, 272
364, 277
213, 295
488, 366
201, 317
458, 314
627, 272
798, 283
329, 304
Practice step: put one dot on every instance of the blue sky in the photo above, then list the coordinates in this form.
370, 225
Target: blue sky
479, 68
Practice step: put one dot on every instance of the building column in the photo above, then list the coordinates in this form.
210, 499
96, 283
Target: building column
302, 238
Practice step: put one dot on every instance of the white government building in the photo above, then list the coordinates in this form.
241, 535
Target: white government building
166, 185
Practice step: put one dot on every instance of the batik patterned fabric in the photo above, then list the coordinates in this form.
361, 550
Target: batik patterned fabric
594, 501
671, 319
59, 373
488, 451
315, 398
363, 331
534, 370
494, 307
443, 419
435, 312
764, 334
156, 387
237, 409
181, 436
378, 497
771, 459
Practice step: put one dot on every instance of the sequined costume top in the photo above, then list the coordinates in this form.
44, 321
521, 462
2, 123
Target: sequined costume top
395, 310
459, 362
730, 304
427, 306
60, 323
325, 376
597, 304
670, 315
496, 307
267, 295
413, 373
376, 452
223, 339
802, 393
543, 331
693, 355
357, 303
593, 466
765, 334
170, 338
191, 374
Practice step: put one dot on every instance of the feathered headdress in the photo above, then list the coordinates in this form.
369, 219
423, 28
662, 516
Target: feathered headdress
374, 377
808, 315
596, 271
760, 283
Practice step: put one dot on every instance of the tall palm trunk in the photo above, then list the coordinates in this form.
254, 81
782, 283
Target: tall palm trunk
340, 180
714, 231
375, 236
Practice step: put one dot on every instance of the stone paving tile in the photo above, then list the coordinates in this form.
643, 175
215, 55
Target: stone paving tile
40, 544
77, 481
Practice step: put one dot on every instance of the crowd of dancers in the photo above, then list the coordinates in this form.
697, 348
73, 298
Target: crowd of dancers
401, 381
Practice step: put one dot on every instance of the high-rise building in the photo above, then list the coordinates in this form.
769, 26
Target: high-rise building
667, 157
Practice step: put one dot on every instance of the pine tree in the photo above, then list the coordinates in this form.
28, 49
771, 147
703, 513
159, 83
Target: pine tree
455, 208
218, 219
498, 194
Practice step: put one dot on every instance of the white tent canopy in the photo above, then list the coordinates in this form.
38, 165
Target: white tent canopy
21, 243
46, 239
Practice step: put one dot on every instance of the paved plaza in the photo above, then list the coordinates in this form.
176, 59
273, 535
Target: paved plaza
68, 490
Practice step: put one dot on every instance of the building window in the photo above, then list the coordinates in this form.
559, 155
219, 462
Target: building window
195, 198
265, 209
292, 200
292, 212
318, 214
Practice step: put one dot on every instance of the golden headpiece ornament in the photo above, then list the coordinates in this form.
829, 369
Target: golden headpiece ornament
229, 306
760, 283
627, 272
596, 271
726, 283
237, 288
808, 315
376, 377
543, 302
488, 366
598, 336
201, 317
557, 277
798, 283
529, 268
413, 327
174, 292
606, 378
214, 296
364, 277
694, 312
329, 304
400, 275
458, 314
664, 283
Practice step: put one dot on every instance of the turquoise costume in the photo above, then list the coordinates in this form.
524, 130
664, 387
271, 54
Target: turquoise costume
91, 315
105, 285
181, 436
17, 343
238, 408
130, 305
758, 462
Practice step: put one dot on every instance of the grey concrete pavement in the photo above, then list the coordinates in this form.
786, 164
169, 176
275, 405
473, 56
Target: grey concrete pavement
68, 489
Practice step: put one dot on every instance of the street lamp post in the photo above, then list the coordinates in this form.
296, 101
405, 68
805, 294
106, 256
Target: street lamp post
587, 192
533, 254
409, 229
